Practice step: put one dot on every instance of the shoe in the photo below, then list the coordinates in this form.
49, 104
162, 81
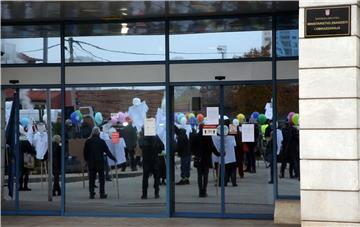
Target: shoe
103, 196
157, 195
181, 182
187, 181
134, 169
271, 182
27, 189
21, 189
163, 182
144, 197
92, 196
235, 185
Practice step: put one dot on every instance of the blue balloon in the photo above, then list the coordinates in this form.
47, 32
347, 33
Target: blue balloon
255, 115
24, 121
74, 117
193, 121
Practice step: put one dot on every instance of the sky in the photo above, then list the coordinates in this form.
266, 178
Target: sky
191, 46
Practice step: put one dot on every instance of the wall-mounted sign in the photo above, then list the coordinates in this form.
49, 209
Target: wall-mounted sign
327, 21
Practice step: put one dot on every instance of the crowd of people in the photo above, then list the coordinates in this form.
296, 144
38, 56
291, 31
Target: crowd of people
190, 144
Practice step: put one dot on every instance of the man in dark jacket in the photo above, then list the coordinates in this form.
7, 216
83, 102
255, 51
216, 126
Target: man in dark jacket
184, 152
204, 148
94, 150
129, 133
151, 148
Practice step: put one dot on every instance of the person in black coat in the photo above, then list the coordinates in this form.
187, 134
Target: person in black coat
203, 149
94, 150
184, 152
56, 163
25, 147
129, 133
151, 147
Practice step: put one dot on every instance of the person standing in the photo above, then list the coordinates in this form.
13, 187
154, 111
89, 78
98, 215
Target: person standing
151, 147
129, 133
56, 149
204, 147
94, 150
183, 150
25, 150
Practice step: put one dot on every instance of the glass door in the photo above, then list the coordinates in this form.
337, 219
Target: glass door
222, 146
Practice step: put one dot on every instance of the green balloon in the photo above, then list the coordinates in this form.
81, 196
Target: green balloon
79, 114
262, 119
295, 119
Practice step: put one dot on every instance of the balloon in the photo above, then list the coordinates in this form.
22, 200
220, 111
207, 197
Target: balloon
193, 121
98, 118
187, 115
183, 121
235, 122
200, 118
289, 116
262, 119
226, 130
255, 115
179, 117
121, 117
24, 121
114, 120
240, 117
295, 119
191, 115
74, 117
79, 114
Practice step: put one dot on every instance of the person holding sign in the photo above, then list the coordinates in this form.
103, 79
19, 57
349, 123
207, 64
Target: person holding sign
94, 149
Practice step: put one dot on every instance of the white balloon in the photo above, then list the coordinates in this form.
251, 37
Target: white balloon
236, 122
183, 121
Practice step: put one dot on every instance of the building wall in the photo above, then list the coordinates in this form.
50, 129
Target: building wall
329, 105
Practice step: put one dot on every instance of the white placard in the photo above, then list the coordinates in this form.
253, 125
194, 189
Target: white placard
149, 127
212, 115
209, 131
248, 133
268, 110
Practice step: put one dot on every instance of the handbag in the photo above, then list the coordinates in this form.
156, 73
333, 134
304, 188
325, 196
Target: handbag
29, 161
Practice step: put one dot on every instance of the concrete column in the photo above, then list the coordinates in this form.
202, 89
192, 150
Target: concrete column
329, 92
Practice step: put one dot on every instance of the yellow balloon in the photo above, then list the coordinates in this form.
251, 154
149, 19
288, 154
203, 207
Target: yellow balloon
240, 117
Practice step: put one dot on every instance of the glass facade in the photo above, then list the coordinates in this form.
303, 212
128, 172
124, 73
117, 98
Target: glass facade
156, 158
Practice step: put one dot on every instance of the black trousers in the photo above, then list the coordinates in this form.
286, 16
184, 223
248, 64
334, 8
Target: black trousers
203, 175
250, 160
56, 184
92, 178
162, 167
24, 178
131, 157
230, 173
149, 168
284, 162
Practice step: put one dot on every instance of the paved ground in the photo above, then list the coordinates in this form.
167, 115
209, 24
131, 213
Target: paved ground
25, 221
253, 195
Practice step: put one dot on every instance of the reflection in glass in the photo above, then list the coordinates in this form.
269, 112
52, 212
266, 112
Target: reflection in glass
121, 113
140, 41
30, 44
288, 157
196, 189
220, 39
253, 192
